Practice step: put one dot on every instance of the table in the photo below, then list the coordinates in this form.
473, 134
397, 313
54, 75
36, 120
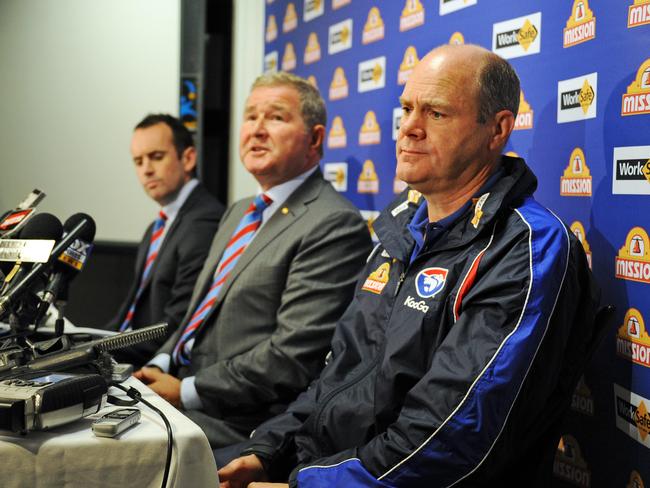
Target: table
71, 456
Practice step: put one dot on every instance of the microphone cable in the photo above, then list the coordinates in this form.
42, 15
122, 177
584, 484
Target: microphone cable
136, 397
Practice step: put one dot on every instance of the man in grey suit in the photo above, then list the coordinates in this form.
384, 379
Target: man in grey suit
262, 313
174, 247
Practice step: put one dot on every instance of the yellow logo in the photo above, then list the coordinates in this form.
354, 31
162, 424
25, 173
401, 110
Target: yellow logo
412, 15
581, 26
633, 260
569, 463
576, 181
289, 57
457, 38
377, 280
339, 86
586, 96
524, 118
527, 35
312, 49
312, 81
579, 231
336, 4
373, 30
370, 132
635, 480
290, 18
512, 154
337, 137
582, 400
637, 99
271, 29
413, 196
478, 209
368, 181
409, 61
638, 13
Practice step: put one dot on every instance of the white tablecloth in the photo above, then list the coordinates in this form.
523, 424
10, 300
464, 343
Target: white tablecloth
71, 456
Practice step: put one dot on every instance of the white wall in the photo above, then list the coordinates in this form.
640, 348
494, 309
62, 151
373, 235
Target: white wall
248, 57
75, 77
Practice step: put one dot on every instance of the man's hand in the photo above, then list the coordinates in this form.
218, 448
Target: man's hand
240, 472
166, 385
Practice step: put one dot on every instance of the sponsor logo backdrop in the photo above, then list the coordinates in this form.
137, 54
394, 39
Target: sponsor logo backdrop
583, 127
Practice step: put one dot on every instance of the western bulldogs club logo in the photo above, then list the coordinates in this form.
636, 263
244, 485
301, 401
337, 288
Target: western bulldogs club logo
430, 281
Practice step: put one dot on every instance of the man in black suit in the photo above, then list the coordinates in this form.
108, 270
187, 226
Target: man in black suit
176, 244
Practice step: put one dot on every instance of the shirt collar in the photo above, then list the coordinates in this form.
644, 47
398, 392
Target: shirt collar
280, 193
171, 209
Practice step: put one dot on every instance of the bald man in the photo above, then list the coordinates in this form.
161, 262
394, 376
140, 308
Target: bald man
453, 369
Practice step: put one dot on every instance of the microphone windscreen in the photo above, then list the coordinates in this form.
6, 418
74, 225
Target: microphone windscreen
42, 226
88, 232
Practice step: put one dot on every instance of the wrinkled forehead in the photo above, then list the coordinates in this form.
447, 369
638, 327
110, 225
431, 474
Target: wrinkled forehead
273, 96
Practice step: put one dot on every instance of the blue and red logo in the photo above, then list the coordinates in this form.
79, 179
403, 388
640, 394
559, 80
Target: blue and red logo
430, 281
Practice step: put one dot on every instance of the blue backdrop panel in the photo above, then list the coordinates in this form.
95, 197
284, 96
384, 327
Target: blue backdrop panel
583, 127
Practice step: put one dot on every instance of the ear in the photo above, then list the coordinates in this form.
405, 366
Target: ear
317, 137
188, 160
504, 123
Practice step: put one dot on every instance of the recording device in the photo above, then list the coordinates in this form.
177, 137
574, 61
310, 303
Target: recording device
12, 220
115, 422
40, 400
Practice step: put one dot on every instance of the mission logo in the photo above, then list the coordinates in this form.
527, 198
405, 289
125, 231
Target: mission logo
582, 400
518, 37
579, 231
370, 133
577, 98
631, 172
368, 181
581, 26
337, 137
457, 38
290, 21
632, 415
339, 87
373, 29
576, 180
638, 13
312, 50
632, 340
412, 15
377, 280
271, 29
289, 57
524, 120
407, 65
637, 99
569, 465
633, 260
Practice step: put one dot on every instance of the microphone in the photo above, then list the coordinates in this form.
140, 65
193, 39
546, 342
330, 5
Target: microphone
71, 261
42, 226
8, 299
13, 220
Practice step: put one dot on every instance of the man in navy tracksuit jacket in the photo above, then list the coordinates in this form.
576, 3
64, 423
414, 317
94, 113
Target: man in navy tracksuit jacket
458, 353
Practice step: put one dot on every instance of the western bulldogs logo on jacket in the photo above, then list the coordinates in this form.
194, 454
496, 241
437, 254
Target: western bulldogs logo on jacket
430, 281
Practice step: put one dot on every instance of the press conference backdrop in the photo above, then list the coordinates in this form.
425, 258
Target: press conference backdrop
583, 127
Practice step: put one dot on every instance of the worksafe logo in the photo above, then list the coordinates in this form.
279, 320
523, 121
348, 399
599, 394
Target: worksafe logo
577, 98
632, 340
337, 175
271, 29
632, 415
397, 120
581, 26
569, 465
518, 37
377, 280
368, 180
579, 231
576, 181
313, 9
290, 21
312, 50
370, 133
407, 65
524, 120
448, 6
637, 99
372, 74
582, 400
412, 15
635, 480
457, 39
638, 13
289, 57
633, 260
337, 137
336, 4
339, 87
373, 30
340, 37
631, 170
370, 216
271, 62
430, 281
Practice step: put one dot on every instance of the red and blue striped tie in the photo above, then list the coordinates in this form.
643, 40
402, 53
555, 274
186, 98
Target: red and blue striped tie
154, 246
240, 239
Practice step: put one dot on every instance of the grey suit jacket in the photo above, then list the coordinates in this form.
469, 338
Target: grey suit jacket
266, 337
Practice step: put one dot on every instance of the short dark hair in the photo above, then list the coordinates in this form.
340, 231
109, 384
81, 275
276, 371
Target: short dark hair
498, 88
182, 137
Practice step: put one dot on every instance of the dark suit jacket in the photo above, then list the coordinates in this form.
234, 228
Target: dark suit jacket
169, 285
267, 335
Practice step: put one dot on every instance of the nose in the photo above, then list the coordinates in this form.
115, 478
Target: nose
259, 127
147, 166
411, 125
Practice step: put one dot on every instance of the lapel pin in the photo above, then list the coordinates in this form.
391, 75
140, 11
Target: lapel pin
285, 210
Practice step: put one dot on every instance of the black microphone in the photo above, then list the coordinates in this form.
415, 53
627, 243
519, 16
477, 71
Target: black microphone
8, 299
13, 220
71, 261
41, 226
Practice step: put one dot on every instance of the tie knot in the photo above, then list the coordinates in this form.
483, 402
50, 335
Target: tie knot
162, 216
261, 202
